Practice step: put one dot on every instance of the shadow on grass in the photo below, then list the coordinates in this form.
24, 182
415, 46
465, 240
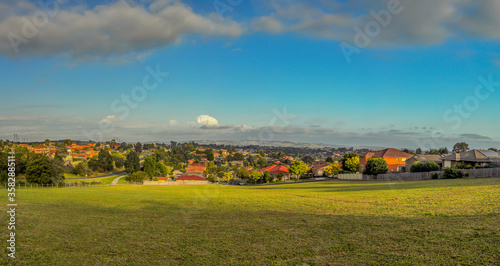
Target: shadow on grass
161, 232
353, 186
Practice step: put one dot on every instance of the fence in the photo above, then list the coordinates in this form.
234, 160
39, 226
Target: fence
62, 185
472, 173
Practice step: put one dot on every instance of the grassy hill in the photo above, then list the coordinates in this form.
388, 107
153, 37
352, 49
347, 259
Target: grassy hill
334, 222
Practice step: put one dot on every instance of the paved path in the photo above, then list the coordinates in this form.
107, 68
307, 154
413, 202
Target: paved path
115, 181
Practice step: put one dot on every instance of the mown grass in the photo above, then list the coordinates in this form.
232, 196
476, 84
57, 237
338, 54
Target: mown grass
335, 222
103, 180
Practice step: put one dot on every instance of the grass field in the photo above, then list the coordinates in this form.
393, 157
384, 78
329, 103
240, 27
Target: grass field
104, 180
334, 222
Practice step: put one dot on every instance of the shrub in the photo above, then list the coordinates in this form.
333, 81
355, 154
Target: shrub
452, 173
417, 167
466, 174
434, 176
375, 166
155, 179
137, 176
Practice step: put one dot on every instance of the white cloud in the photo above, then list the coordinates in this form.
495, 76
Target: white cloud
206, 120
173, 122
107, 30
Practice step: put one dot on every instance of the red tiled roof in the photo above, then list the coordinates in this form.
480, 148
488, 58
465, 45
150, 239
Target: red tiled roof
275, 169
163, 178
190, 177
391, 153
367, 154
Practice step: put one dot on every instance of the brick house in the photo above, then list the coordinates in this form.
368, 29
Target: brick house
396, 159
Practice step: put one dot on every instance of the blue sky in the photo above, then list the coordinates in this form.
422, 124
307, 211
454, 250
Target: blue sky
261, 70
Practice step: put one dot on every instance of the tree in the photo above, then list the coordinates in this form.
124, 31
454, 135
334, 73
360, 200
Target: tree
329, 159
43, 171
443, 150
333, 169
47, 142
137, 177
93, 164
460, 147
308, 159
262, 162
434, 152
138, 148
239, 156
67, 142
298, 168
210, 154
279, 177
493, 149
81, 169
132, 164
350, 162
119, 162
242, 172
268, 177
105, 162
150, 166
418, 151
227, 176
162, 169
255, 176
376, 166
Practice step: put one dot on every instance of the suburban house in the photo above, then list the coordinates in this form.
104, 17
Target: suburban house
195, 169
424, 158
475, 158
274, 170
318, 169
396, 159
189, 178
163, 178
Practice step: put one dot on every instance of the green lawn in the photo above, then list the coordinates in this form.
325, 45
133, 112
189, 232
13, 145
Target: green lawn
336, 222
104, 180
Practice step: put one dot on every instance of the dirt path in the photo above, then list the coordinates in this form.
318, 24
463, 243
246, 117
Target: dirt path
115, 181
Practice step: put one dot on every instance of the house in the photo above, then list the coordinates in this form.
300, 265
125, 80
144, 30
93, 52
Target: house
195, 169
475, 158
274, 170
189, 178
424, 158
396, 159
77, 156
163, 178
318, 169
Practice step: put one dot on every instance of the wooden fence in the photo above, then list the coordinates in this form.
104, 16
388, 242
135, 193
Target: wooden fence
471, 173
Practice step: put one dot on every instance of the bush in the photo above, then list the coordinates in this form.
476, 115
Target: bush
155, 179
417, 167
376, 166
434, 176
137, 176
452, 173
